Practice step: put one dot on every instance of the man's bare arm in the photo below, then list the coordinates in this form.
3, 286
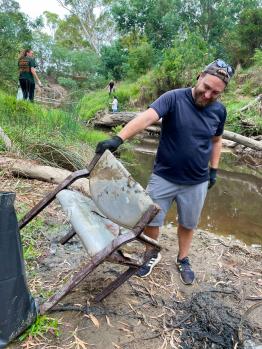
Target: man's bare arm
139, 123
216, 151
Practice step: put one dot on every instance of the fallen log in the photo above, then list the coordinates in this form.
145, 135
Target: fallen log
114, 119
30, 169
122, 118
246, 141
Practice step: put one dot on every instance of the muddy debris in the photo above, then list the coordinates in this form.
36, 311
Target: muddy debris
206, 322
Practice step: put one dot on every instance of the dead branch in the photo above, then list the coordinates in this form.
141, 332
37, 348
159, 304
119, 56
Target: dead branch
252, 103
5, 139
243, 318
246, 141
30, 169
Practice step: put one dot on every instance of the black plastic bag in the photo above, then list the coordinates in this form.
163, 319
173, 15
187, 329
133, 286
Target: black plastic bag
17, 306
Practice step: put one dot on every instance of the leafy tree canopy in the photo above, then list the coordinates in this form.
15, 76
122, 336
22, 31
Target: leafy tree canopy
185, 60
15, 34
113, 60
250, 29
158, 20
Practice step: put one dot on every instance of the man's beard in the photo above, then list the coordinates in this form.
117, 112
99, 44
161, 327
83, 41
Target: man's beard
199, 98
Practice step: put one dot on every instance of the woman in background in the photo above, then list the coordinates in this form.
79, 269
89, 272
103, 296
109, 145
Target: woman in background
27, 74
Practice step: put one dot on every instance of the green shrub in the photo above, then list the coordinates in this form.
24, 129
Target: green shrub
185, 60
67, 83
126, 92
140, 59
252, 84
257, 58
113, 59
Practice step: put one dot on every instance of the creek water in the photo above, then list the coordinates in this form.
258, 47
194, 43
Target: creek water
233, 206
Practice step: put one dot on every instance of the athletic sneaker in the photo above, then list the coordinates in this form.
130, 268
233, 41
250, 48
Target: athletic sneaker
186, 273
147, 268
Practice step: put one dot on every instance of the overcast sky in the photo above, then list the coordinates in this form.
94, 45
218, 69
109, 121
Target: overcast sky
34, 8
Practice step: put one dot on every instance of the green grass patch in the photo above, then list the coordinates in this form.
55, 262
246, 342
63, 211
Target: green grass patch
131, 95
92, 137
41, 326
30, 236
92, 103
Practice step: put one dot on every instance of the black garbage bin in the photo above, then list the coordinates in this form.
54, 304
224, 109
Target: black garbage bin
17, 306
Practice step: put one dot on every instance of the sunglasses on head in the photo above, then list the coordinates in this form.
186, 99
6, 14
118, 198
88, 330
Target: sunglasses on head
222, 64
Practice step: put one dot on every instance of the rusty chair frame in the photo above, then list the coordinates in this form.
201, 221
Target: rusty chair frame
109, 253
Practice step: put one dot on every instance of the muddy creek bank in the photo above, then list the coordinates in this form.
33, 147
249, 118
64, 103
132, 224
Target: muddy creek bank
153, 313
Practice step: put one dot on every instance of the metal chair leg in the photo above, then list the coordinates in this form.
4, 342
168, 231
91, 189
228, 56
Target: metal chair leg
67, 237
116, 283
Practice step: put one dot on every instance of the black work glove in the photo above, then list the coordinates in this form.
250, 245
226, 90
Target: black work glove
212, 177
110, 144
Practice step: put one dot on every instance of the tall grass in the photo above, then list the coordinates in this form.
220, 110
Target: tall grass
92, 103
92, 137
28, 124
242, 90
27, 119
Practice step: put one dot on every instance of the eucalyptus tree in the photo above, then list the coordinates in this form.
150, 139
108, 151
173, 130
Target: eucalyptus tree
68, 34
52, 22
246, 37
213, 18
250, 30
95, 22
158, 20
164, 20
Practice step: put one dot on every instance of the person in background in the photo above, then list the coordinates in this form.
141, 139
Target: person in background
187, 157
111, 87
114, 105
27, 74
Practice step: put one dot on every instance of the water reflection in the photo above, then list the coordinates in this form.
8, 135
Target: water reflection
233, 206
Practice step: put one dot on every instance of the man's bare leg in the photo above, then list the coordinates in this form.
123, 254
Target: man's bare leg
184, 240
153, 233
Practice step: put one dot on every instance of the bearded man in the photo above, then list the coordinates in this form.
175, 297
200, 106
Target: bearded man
187, 157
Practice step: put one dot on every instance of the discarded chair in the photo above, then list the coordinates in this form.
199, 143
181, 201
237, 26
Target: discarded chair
117, 197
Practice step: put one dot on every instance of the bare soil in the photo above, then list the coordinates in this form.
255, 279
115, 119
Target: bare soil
155, 312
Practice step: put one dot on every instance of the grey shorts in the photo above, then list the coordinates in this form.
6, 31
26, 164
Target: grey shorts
189, 200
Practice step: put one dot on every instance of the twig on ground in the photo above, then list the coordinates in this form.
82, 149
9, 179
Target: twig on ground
243, 318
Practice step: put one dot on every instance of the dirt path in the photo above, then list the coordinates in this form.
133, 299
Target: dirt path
156, 312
